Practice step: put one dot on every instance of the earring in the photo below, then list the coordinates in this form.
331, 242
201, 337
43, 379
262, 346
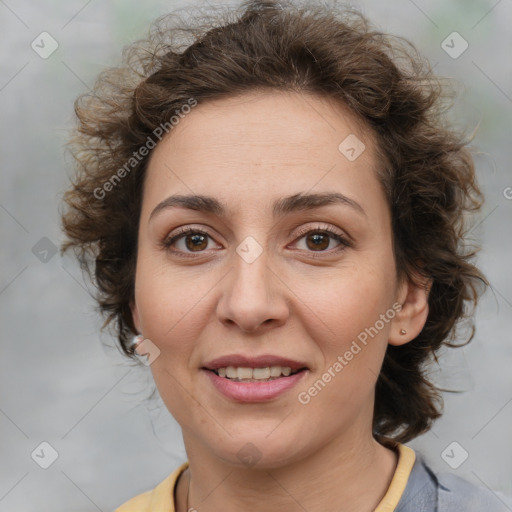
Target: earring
403, 331
135, 341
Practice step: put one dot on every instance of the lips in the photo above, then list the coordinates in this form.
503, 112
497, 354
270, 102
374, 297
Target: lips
262, 361
254, 390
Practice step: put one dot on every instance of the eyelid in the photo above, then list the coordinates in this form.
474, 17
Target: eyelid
181, 232
321, 227
341, 237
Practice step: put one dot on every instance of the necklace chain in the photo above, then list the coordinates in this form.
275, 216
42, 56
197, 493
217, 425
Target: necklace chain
188, 491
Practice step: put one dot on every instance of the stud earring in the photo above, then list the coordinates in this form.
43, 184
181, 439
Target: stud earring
135, 341
403, 331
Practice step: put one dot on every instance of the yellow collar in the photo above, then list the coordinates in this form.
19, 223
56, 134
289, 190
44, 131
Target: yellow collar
406, 458
161, 498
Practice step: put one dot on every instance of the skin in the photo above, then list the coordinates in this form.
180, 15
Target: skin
247, 152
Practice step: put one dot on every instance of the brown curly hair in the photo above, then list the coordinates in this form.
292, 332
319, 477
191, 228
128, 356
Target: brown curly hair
427, 170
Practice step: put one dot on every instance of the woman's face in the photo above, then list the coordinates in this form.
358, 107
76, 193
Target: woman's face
260, 277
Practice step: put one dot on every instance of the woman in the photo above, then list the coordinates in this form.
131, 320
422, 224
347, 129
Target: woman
273, 214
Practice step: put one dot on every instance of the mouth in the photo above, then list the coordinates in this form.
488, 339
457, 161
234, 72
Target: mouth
256, 374
254, 379
244, 378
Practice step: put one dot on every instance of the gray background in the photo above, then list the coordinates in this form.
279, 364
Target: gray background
65, 383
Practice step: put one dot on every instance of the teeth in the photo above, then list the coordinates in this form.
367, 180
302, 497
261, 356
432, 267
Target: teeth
231, 372
275, 371
243, 373
259, 373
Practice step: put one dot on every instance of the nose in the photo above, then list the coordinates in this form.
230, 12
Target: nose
254, 297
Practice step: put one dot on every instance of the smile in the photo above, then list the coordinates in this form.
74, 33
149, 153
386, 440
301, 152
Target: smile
245, 374
254, 384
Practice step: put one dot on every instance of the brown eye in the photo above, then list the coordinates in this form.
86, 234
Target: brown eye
318, 241
196, 242
187, 241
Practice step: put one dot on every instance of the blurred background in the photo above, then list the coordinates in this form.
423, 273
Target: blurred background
77, 430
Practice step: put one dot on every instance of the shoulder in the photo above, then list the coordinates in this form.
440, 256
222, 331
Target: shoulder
427, 491
160, 499
140, 503
458, 494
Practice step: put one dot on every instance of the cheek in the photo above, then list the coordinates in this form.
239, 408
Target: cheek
350, 333
352, 340
346, 302
169, 304
173, 315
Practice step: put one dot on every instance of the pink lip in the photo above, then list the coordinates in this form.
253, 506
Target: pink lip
253, 391
253, 362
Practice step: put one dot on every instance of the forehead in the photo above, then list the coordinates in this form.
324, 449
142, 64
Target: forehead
264, 144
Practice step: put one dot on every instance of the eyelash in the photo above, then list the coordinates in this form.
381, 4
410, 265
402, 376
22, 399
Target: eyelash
320, 229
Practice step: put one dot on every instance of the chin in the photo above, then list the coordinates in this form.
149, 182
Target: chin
259, 451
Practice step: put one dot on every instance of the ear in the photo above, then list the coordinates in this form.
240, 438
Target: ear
412, 295
135, 315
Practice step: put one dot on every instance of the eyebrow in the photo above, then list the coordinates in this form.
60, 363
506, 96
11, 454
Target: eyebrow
281, 207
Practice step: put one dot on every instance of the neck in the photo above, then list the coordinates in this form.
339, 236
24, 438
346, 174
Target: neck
339, 477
